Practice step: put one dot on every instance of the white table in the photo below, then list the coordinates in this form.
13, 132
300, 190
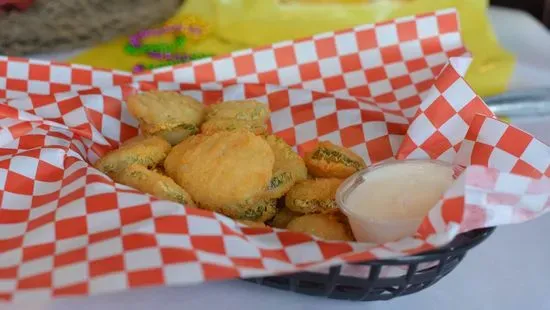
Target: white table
511, 270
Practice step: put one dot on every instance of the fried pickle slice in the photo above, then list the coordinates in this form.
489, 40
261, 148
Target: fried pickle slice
324, 226
242, 110
283, 217
280, 184
154, 183
313, 196
288, 169
222, 169
328, 160
164, 110
172, 161
253, 210
216, 125
146, 151
234, 115
178, 134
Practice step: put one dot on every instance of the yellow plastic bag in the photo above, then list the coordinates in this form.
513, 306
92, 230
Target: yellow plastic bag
238, 24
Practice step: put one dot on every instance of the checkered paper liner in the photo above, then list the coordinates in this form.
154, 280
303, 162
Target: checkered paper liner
393, 89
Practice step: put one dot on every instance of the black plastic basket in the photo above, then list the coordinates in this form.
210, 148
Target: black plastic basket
374, 287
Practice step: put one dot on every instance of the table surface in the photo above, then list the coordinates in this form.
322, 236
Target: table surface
509, 271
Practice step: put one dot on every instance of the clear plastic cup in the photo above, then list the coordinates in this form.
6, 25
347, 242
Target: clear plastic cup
372, 229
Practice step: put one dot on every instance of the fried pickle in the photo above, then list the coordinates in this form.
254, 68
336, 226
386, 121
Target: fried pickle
234, 115
154, 183
324, 226
313, 196
328, 160
172, 161
215, 125
283, 217
178, 134
288, 169
222, 169
146, 151
243, 110
253, 210
164, 110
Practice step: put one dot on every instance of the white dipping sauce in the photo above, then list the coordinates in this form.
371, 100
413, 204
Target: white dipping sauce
390, 201
400, 191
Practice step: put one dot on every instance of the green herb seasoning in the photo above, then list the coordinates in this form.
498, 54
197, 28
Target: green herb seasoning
336, 157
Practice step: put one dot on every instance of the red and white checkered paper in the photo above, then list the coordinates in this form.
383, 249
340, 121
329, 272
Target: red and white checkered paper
393, 89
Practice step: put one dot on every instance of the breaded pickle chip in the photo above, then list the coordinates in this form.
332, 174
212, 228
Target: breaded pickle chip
280, 184
283, 217
313, 196
235, 115
256, 210
172, 162
146, 151
215, 125
178, 134
164, 110
286, 158
242, 110
324, 226
328, 160
288, 169
222, 169
154, 183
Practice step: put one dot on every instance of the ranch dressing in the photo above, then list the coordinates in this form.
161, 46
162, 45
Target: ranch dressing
388, 201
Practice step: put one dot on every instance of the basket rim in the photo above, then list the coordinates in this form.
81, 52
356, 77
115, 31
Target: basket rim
461, 244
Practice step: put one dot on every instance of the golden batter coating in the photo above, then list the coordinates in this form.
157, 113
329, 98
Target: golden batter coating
253, 210
235, 115
163, 110
281, 182
328, 160
172, 161
242, 110
288, 169
313, 196
324, 226
222, 169
283, 217
178, 134
146, 151
154, 183
215, 125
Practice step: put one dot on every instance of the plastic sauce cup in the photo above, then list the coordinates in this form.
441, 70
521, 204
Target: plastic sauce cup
367, 228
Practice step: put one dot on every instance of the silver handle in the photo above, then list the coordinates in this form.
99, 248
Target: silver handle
531, 102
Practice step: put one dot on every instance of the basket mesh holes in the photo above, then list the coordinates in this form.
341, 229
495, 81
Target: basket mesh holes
309, 285
374, 280
355, 270
396, 290
357, 290
389, 271
377, 294
277, 281
347, 289
428, 266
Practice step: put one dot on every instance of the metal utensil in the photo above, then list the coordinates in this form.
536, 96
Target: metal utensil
523, 103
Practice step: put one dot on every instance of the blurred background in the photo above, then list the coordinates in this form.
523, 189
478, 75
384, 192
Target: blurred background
540, 9
510, 39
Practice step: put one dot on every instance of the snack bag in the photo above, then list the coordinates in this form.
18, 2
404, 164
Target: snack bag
240, 24
68, 229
